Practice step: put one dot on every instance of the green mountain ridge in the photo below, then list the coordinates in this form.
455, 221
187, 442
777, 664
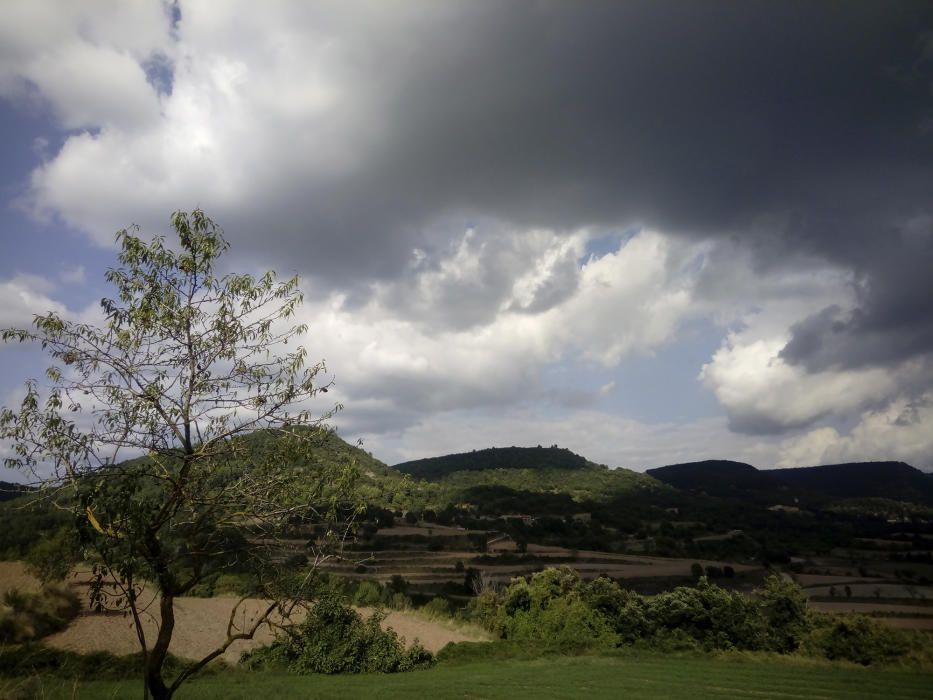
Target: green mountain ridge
896, 481
433, 468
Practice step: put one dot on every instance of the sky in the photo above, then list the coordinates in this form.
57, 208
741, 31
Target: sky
651, 232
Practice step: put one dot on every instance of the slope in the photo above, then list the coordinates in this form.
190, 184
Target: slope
893, 480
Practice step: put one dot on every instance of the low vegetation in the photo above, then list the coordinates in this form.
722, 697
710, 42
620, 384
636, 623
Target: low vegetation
497, 675
27, 616
334, 638
556, 606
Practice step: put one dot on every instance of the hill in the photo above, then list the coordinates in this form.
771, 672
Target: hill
435, 468
723, 479
522, 479
378, 484
9, 490
896, 481
893, 480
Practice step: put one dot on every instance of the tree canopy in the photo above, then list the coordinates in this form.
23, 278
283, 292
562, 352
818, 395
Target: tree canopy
146, 427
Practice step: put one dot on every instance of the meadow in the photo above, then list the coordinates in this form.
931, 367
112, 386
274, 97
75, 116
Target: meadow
630, 674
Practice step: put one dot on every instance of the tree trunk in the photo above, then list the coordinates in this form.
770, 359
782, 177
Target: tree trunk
159, 651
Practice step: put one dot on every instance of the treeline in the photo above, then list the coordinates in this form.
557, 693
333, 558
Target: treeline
553, 457
557, 607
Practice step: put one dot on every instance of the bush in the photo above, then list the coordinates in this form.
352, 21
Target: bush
785, 617
53, 556
550, 607
624, 609
556, 608
335, 639
397, 584
28, 616
368, 593
399, 601
714, 617
235, 584
856, 638
484, 611
437, 608
32, 659
228, 584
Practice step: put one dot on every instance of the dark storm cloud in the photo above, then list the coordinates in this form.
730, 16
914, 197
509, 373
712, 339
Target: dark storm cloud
797, 128
337, 138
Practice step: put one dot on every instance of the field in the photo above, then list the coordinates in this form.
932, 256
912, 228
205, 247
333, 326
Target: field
201, 625
876, 590
640, 676
407, 551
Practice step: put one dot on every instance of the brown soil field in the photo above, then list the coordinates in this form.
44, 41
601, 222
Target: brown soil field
201, 623
424, 566
868, 590
908, 623
432, 531
14, 575
807, 580
865, 608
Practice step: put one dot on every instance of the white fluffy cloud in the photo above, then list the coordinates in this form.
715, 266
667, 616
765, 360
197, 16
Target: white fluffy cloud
87, 59
629, 301
759, 390
354, 142
599, 435
22, 297
762, 393
261, 112
902, 430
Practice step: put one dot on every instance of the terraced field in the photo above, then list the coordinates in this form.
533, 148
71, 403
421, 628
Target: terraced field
427, 571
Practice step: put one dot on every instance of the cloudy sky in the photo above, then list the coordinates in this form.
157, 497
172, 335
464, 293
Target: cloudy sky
647, 231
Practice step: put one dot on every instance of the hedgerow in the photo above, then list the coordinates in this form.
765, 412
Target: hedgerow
556, 606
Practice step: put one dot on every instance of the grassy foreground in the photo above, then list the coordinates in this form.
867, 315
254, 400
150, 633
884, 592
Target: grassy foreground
636, 676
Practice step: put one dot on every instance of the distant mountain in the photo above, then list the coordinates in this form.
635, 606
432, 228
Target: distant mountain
9, 491
722, 478
435, 468
725, 479
894, 480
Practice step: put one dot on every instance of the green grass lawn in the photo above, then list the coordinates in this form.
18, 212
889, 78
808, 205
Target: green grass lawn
632, 676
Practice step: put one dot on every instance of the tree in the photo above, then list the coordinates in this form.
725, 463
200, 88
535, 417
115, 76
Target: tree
180, 431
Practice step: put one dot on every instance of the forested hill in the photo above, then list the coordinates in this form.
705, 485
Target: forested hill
9, 491
434, 468
894, 480
721, 478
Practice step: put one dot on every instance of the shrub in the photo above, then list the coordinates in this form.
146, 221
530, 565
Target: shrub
335, 639
368, 593
550, 607
437, 608
53, 556
28, 616
856, 638
624, 610
36, 659
785, 618
714, 617
397, 584
399, 601
484, 611
234, 584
